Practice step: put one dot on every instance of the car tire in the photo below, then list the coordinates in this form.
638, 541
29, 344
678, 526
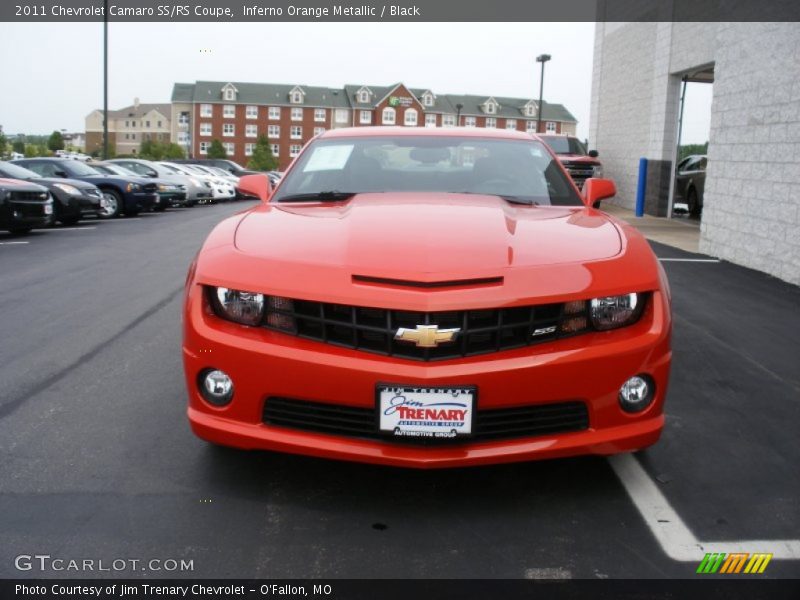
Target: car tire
160, 208
113, 205
19, 229
693, 202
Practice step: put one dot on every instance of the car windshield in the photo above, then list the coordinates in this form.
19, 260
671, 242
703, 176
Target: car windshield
116, 170
565, 145
219, 172
17, 172
517, 170
167, 169
79, 169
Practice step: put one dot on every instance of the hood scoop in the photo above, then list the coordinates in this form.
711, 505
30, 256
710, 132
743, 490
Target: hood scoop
405, 283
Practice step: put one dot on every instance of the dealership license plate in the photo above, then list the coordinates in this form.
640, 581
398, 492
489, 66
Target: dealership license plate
425, 412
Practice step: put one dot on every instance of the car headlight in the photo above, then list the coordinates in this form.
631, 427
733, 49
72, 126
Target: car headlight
612, 312
133, 187
597, 171
246, 308
68, 189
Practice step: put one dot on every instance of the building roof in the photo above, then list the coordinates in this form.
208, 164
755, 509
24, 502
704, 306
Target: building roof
347, 97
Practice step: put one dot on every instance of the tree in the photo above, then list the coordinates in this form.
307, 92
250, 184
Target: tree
18, 146
689, 149
3, 144
263, 160
173, 151
55, 141
217, 150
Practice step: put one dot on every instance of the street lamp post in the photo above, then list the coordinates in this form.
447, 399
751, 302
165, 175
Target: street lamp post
542, 58
459, 106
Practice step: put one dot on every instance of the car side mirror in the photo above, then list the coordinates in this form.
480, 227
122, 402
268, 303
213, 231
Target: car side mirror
258, 186
596, 189
593, 153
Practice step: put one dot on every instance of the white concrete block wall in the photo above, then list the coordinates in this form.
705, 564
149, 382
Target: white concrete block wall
751, 213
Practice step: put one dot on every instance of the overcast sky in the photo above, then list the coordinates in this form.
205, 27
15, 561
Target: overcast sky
59, 67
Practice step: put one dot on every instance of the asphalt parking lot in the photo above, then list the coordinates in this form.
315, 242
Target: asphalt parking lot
98, 460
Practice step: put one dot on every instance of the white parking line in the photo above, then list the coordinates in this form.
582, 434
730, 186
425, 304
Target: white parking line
12, 243
70, 229
672, 534
125, 220
699, 260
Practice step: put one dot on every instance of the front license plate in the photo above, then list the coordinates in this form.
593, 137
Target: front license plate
425, 412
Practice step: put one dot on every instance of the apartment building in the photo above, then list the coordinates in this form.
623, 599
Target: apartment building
128, 127
290, 114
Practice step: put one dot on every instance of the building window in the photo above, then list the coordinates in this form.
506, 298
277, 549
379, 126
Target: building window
296, 132
319, 115
205, 110
205, 128
183, 119
127, 124
297, 114
491, 108
491, 122
228, 111
365, 117
363, 96
183, 137
251, 112
530, 110
158, 124
230, 94
274, 112
530, 126
297, 98
294, 150
251, 131
469, 122
410, 117
342, 115
276, 149
147, 124
248, 149
228, 129
204, 147
427, 99
430, 120
387, 117
274, 131
229, 148
448, 120
550, 127
319, 130
511, 124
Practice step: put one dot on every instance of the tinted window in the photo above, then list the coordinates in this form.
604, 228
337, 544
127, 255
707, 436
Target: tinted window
524, 170
565, 145
17, 172
76, 168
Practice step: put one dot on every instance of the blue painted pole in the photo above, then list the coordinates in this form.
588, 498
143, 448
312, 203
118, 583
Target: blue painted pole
642, 187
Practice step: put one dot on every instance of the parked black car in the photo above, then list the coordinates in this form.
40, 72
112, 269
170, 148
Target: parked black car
72, 199
169, 194
230, 166
24, 205
690, 182
122, 194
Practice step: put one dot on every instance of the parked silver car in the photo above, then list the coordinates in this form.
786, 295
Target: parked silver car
196, 190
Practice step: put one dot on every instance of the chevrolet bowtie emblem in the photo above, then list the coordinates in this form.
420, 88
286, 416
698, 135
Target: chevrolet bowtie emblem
426, 336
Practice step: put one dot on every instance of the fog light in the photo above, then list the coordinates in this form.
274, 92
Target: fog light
216, 387
637, 393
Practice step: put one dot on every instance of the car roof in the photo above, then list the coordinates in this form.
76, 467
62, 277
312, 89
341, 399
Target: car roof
461, 132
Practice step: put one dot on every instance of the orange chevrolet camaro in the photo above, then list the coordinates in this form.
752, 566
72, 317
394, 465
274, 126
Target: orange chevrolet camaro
427, 298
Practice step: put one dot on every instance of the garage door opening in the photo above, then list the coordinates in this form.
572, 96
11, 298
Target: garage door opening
694, 125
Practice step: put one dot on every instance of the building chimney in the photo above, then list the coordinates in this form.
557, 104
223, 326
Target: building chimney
135, 103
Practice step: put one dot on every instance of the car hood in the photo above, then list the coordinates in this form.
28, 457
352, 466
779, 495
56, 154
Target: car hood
425, 236
17, 185
578, 158
81, 185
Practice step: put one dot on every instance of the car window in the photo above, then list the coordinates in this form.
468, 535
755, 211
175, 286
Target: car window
77, 168
565, 145
521, 169
45, 169
17, 172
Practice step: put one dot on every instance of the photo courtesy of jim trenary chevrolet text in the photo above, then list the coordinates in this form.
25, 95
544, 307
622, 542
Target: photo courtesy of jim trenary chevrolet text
412, 299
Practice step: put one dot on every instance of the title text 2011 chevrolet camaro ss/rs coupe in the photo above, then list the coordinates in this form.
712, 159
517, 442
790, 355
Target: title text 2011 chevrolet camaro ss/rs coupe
427, 298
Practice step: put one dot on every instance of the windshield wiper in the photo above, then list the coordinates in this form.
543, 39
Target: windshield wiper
326, 196
506, 197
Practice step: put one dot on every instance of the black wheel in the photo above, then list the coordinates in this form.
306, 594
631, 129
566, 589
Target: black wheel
160, 208
693, 202
73, 220
20, 229
190, 203
111, 207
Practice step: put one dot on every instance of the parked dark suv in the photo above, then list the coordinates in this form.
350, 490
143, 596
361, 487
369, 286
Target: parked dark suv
579, 162
72, 199
24, 205
122, 194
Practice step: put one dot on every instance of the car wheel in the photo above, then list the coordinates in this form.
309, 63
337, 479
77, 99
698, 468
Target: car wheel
20, 229
190, 203
111, 206
692, 201
160, 208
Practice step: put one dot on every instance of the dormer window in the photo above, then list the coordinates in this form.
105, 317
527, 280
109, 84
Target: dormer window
229, 92
427, 99
530, 110
363, 97
491, 109
296, 95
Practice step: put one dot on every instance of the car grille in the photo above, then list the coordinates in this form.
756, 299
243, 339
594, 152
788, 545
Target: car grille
579, 172
149, 187
35, 197
373, 329
489, 424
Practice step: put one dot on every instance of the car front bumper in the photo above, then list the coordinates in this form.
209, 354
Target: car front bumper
589, 367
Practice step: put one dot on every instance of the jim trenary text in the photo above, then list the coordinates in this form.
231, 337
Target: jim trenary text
146, 590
